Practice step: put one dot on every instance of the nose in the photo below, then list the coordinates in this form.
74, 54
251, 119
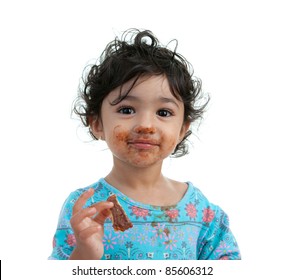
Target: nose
145, 125
144, 130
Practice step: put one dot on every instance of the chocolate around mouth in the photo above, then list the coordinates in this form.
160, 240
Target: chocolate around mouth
144, 141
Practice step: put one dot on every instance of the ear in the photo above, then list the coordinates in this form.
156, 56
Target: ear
96, 127
184, 129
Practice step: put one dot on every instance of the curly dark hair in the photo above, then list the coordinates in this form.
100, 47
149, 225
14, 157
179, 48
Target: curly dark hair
136, 54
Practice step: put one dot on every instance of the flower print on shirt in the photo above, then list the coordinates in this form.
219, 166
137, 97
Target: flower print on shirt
159, 230
71, 240
142, 238
208, 215
173, 214
180, 234
223, 249
170, 241
147, 228
139, 212
191, 210
109, 241
122, 237
129, 245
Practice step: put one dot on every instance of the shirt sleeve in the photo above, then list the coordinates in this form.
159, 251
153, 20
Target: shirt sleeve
64, 240
218, 242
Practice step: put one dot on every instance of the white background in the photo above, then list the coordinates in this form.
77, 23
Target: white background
235, 47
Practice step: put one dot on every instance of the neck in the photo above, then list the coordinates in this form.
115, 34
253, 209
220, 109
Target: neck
124, 176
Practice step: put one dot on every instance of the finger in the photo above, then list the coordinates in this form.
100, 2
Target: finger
88, 232
78, 221
82, 200
102, 205
102, 216
103, 211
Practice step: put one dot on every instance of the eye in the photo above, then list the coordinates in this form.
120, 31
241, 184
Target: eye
126, 110
164, 113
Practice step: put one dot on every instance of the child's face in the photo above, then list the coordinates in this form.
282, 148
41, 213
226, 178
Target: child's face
145, 127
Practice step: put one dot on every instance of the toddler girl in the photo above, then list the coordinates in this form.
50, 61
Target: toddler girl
141, 100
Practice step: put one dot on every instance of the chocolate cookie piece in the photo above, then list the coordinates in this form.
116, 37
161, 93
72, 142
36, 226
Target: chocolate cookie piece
120, 220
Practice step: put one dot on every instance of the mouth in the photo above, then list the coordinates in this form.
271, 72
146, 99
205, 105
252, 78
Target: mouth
143, 144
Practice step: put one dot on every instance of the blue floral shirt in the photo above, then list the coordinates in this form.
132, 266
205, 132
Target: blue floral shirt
191, 230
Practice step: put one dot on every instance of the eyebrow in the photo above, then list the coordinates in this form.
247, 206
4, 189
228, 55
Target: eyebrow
162, 99
169, 100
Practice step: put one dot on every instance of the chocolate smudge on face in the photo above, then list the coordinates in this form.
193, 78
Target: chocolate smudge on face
122, 136
145, 130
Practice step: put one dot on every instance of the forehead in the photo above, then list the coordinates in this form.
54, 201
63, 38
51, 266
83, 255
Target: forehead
145, 87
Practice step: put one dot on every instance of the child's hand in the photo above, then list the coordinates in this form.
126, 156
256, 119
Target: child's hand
88, 226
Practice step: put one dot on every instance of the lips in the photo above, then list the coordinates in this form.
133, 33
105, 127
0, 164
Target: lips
143, 144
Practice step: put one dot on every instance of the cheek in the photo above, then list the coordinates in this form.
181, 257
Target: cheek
169, 143
119, 137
